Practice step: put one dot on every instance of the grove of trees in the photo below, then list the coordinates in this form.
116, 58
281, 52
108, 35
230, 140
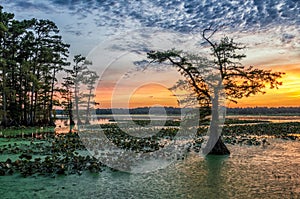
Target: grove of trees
32, 54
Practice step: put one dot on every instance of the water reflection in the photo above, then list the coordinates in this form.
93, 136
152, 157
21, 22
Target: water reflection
215, 178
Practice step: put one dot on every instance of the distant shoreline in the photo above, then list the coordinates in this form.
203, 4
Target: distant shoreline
282, 111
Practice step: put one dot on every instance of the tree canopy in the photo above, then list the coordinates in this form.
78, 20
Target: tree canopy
225, 65
210, 78
32, 53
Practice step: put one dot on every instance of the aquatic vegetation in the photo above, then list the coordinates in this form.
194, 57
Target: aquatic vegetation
65, 154
279, 130
147, 144
58, 155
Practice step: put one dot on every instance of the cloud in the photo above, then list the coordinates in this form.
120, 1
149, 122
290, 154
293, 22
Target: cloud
141, 65
181, 16
186, 16
287, 38
28, 6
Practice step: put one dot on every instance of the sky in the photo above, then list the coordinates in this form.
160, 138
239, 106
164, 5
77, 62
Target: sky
115, 34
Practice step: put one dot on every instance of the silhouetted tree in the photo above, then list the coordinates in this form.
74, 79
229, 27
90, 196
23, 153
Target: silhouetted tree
31, 54
66, 93
89, 79
209, 79
76, 76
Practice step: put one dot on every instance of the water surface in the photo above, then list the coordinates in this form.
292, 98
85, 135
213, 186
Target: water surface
249, 172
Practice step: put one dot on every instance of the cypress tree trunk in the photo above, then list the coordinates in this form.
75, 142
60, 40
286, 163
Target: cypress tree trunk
50, 108
76, 93
70, 107
4, 117
4, 121
88, 107
215, 145
219, 148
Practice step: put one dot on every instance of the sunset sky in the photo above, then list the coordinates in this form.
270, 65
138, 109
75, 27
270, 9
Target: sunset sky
115, 34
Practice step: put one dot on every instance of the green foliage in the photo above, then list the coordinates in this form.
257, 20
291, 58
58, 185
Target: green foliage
32, 53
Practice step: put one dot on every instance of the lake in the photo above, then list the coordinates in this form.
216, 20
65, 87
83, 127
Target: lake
271, 118
62, 127
107, 118
271, 171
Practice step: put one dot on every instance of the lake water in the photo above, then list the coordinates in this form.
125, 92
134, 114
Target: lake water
62, 124
271, 118
249, 172
107, 118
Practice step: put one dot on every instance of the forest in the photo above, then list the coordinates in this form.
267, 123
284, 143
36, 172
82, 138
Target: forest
36, 74
264, 111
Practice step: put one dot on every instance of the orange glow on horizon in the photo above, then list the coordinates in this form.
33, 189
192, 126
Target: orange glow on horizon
144, 96
287, 95
155, 94
152, 95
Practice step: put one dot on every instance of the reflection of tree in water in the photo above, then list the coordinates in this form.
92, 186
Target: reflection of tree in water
202, 177
215, 183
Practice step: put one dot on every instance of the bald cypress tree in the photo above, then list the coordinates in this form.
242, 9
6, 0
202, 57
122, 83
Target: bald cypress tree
5, 22
31, 54
208, 78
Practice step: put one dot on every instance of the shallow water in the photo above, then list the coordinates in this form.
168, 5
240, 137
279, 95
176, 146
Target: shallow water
270, 118
249, 172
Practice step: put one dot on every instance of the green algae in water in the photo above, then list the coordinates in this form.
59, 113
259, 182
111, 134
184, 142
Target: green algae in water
249, 172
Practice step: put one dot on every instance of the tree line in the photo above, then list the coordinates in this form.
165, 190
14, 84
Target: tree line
264, 111
32, 54
229, 111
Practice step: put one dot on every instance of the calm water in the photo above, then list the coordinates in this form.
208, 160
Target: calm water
62, 124
102, 119
271, 118
249, 172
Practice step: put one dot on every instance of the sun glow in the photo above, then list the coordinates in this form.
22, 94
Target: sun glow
288, 94
152, 94
147, 95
